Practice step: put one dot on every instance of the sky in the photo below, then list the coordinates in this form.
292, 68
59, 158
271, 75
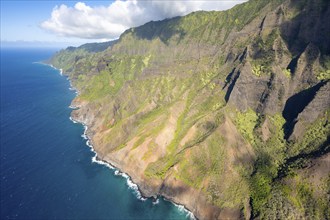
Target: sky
76, 22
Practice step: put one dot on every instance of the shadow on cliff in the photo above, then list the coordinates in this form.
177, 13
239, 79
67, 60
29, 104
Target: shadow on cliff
244, 160
231, 80
296, 104
171, 191
297, 160
305, 27
165, 30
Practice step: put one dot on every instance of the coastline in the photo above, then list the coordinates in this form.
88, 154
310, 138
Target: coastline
137, 191
50, 65
95, 159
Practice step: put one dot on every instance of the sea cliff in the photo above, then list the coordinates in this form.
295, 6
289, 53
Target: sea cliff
223, 112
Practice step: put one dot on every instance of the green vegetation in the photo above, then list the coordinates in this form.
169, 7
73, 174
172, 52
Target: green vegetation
258, 70
271, 155
261, 188
298, 200
208, 162
246, 123
323, 72
161, 90
316, 134
287, 73
324, 75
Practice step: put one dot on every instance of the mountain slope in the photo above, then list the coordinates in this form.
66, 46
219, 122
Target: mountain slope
220, 111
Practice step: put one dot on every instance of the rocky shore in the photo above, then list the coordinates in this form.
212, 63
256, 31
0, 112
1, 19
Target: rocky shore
144, 189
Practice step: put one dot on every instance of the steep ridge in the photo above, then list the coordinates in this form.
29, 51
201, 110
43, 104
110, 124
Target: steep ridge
215, 110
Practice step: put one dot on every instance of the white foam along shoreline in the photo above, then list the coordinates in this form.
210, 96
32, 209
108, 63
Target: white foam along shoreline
61, 70
129, 181
61, 73
118, 172
47, 64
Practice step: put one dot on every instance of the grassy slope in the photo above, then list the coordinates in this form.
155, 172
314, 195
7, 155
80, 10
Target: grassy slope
161, 64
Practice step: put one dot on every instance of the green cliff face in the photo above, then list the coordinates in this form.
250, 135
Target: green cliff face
230, 107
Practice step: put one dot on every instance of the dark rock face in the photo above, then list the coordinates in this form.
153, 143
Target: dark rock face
320, 103
273, 92
306, 26
247, 89
299, 102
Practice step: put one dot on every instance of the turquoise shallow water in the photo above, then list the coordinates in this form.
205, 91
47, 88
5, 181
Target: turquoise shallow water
46, 167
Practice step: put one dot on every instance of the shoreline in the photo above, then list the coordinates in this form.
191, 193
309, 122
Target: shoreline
136, 190
95, 159
48, 64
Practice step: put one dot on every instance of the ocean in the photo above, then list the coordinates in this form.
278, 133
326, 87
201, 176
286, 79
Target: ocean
47, 170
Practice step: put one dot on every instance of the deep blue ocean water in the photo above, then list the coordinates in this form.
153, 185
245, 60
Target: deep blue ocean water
46, 167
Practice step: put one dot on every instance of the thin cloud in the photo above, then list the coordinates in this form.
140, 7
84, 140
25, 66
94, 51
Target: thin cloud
108, 22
